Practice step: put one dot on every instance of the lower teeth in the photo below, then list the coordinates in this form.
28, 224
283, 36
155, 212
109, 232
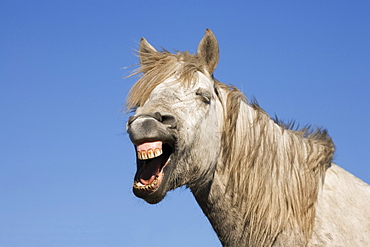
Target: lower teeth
146, 187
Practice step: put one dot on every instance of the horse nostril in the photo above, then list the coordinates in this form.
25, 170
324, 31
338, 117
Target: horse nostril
131, 119
157, 116
166, 119
169, 120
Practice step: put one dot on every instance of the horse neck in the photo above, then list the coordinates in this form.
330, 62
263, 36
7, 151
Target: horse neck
256, 190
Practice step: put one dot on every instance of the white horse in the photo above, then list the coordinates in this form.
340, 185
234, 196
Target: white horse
259, 181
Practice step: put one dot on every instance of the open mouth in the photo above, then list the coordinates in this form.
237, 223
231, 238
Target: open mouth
152, 158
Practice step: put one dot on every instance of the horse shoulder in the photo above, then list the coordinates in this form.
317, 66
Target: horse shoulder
343, 211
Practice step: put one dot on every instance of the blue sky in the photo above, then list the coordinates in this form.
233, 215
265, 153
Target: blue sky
66, 164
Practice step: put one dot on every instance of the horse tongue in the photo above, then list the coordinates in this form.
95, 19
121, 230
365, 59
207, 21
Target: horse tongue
147, 181
151, 170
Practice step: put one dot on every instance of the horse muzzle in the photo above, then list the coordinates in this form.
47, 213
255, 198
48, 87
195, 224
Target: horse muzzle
154, 143
151, 127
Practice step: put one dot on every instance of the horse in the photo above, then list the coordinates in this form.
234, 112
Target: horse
259, 181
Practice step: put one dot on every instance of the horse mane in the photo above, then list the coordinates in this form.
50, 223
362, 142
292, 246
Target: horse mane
275, 171
156, 68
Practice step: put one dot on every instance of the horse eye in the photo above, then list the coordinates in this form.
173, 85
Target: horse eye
206, 96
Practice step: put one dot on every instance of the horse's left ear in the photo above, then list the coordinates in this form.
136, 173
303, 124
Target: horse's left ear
146, 50
208, 51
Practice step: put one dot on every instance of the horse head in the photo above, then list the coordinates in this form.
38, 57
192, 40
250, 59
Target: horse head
176, 128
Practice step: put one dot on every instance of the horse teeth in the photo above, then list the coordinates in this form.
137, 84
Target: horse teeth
148, 187
150, 154
158, 152
144, 155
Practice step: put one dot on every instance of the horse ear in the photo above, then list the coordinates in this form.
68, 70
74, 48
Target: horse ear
145, 51
208, 51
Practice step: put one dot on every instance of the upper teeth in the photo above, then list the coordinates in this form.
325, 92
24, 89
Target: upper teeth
149, 154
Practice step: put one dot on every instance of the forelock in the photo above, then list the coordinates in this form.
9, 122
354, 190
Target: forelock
158, 67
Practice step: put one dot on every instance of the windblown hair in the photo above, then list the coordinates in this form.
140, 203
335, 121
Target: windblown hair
156, 68
276, 171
